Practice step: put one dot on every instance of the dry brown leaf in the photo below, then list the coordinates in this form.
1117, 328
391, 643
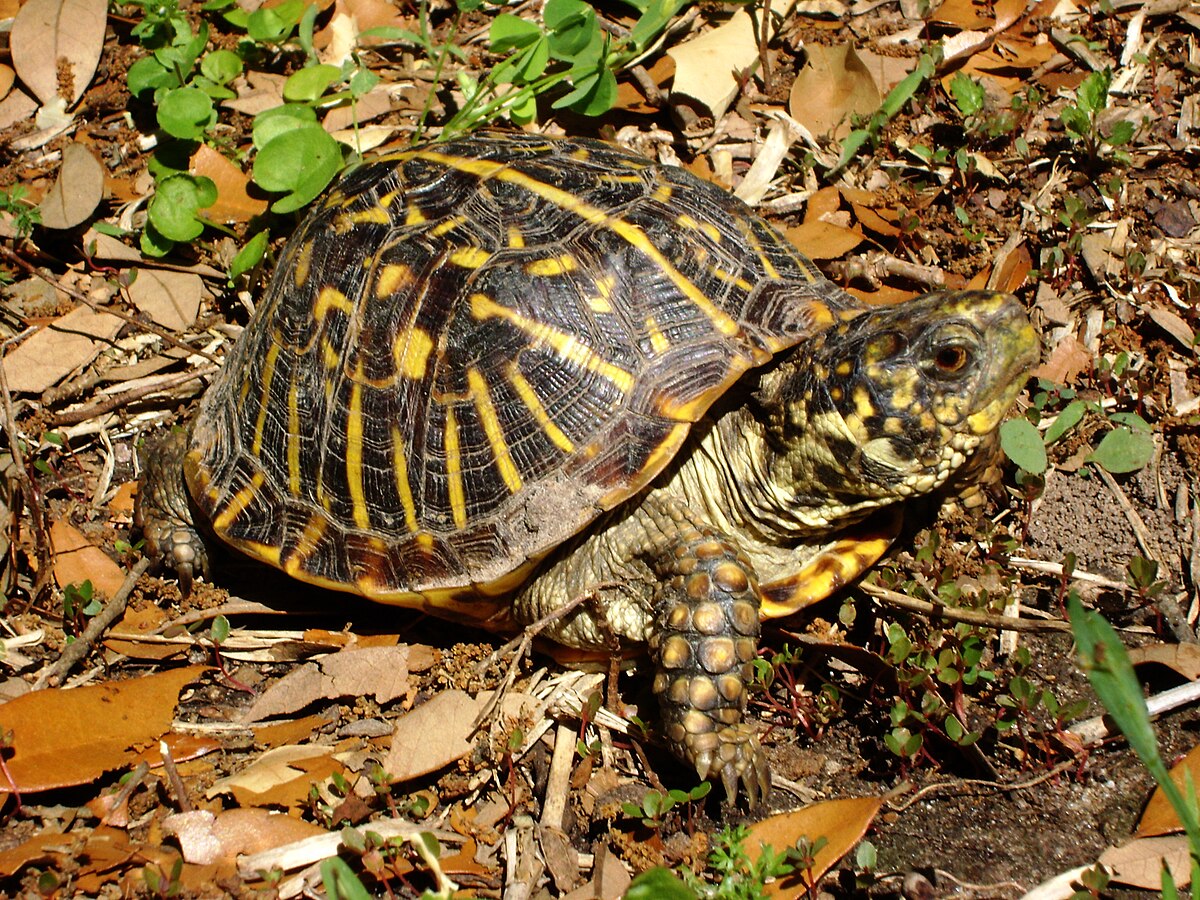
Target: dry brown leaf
51, 750
1183, 658
1174, 326
16, 108
289, 731
961, 14
280, 777
708, 67
59, 349
631, 98
233, 204
43, 847
7, 77
440, 731
841, 822
76, 192
206, 838
259, 91
379, 671
833, 85
1066, 361
875, 220
370, 106
1013, 268
824, 240
1159, 816
358, 16
1140, 862
76, 560
823, 203
172, 299
53, 36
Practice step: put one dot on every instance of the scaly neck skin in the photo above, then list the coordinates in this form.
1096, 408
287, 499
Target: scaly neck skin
744, 486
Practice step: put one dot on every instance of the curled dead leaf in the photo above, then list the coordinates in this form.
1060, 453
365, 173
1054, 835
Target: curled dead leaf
76, 192
53, 37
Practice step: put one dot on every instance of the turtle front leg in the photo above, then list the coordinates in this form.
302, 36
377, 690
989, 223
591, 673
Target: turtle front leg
163, 513
703, 644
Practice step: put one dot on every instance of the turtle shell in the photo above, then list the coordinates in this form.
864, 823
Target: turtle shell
471, 350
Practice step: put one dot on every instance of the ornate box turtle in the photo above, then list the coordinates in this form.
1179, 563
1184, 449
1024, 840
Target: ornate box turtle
496, 375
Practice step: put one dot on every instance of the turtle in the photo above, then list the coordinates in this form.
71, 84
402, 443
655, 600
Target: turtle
510, 378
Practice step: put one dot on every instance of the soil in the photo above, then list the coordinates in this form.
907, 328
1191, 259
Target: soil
993, 818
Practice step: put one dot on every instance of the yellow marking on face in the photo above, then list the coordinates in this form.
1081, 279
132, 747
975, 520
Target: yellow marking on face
331, 298
628, 231
534, 404
238, 503
376, 215
306, 544
303, 264
565, 345
447, 226
554, 265
354, 451
864, 406
844, 368
493, 430
458, 501
392, 278
469, 257
267, 376
403, 488
658, 340
516, 239
414, 216
293, 439
411, 350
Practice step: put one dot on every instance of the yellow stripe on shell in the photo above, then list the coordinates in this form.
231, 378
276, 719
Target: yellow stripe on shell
392, 279
374, 215
516, 239
468, 257
403, 487
414, 216
293, 439
631, 233
493, 430
446, 226
565, 345
328, 299
458, 501
410, 351
237, 504
534, 404
658, 340
554, 265
264, 398
306, 544
303, 264
354, 452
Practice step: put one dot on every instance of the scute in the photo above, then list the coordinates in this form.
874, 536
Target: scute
470, 350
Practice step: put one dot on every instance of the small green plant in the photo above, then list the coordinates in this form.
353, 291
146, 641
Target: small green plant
382, 858
656, 805
1104, 658
1081, 121
1126, 446
79, 605
23, 215
730, 874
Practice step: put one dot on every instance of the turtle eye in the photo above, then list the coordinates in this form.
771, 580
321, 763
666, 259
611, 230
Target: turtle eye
951, 359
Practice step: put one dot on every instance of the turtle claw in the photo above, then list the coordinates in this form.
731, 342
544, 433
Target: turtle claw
164, 514
738, 760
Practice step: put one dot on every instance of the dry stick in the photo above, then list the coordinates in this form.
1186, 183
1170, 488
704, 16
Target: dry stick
99, 408
96, 307
177, 788
559, 783
1167, 605
80, 648
987, 620
28, 489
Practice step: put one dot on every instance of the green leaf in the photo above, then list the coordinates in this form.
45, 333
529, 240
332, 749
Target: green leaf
176, 203
1076, 122
969, 95
593, 96
1071, 416
1123, 450
270, 123
221, 66
659, 883
1092, 93
572, 24
186, 113
1122, 133
310, 84
1021, 443
300, 162
657, 15
509, 32
1133, 420
148, 75
249, 256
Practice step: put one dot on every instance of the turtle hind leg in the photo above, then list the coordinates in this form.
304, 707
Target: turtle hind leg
703, 645
163, 510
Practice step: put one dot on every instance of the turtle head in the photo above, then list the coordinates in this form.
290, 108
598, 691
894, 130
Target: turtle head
890, 403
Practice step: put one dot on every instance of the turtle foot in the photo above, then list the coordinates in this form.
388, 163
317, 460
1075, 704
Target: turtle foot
164, 514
